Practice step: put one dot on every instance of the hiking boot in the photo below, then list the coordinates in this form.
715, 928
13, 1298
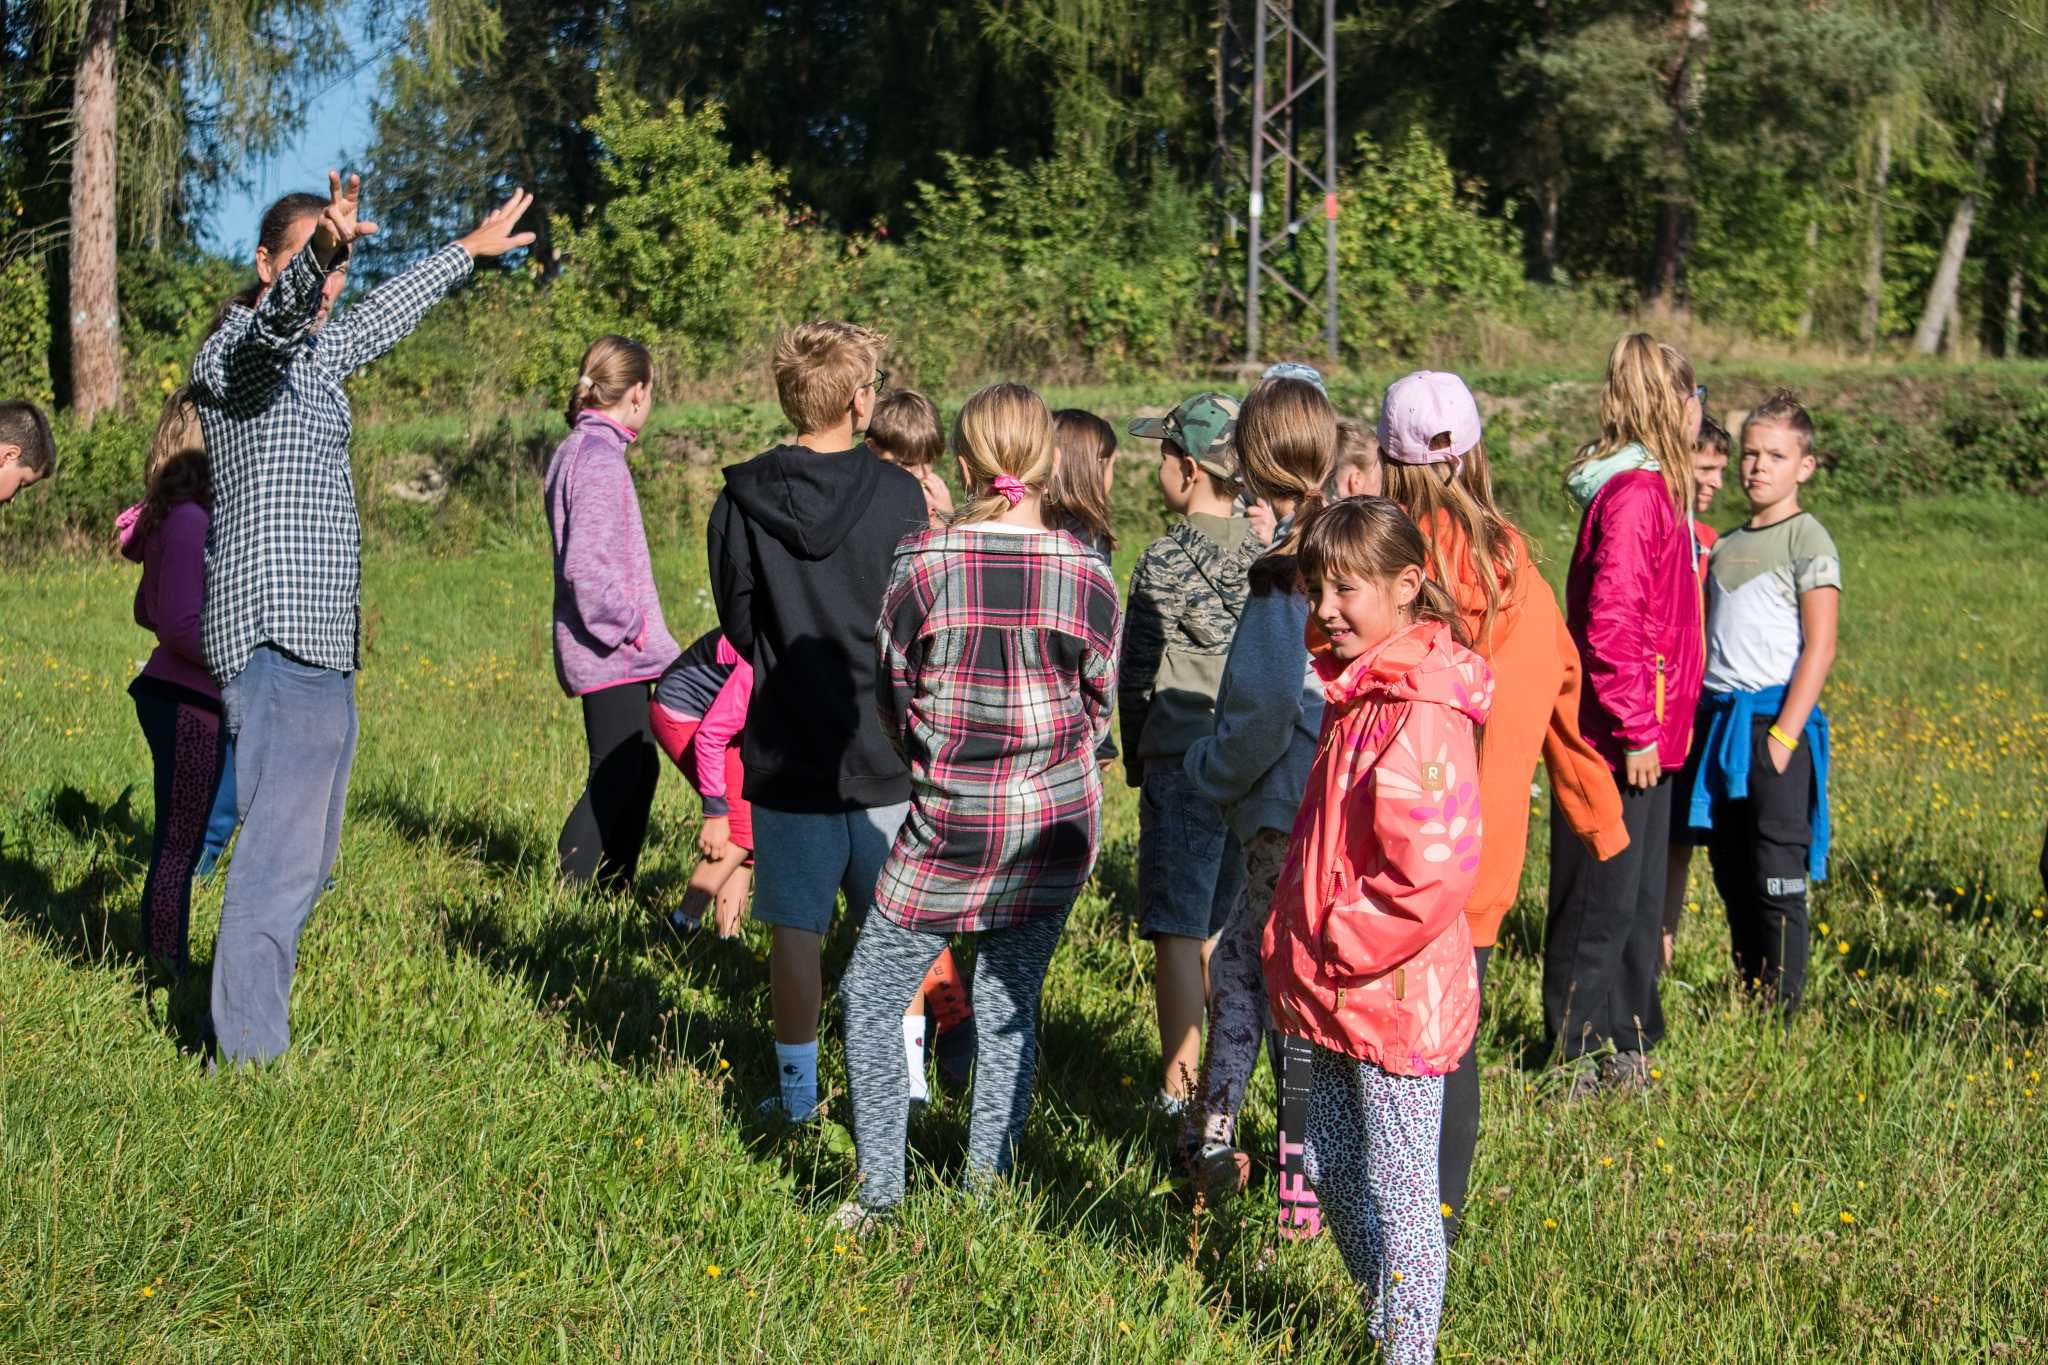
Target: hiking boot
856, 1222
1580, 1078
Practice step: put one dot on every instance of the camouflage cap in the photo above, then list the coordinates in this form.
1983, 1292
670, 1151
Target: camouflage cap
1205, 426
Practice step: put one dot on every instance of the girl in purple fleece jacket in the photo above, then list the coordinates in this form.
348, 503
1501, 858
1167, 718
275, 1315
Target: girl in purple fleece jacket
610, 640
176, 699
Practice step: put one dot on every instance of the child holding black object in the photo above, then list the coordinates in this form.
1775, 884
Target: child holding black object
997, 650
1761, 791
1368, 955
698, 713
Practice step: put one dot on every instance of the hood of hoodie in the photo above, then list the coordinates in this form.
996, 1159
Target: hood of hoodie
807, 499
1424, 662
1588, 479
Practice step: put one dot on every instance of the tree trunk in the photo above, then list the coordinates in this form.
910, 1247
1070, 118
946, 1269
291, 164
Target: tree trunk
95, 305
1812, 247
1674, 240
1873, 267
1546, 233
2016, 277
1941, 295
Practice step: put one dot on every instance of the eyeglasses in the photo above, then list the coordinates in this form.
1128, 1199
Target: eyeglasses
879, 382
1700, 392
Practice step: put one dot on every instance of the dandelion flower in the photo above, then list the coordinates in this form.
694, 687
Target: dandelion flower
839, 1248
1795, 1206
1660, 1144
1444, 1209
1550, 1225
1606, 1161
1848, 1219
1397, 1277
1656, 1074
1842, 946
724, 1065
714, 1271
1124, 1327
1823, 927
1669, 1168
148, 1291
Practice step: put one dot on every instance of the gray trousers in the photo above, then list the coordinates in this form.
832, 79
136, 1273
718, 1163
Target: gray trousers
888, 963
294, 731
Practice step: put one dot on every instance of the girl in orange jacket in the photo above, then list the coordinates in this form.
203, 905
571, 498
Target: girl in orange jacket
1368, 955
1435, 467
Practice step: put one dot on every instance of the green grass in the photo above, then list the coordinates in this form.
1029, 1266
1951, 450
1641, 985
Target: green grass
515, 1122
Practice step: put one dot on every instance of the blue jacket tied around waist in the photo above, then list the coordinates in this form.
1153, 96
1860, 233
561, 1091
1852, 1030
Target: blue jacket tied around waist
1727, 721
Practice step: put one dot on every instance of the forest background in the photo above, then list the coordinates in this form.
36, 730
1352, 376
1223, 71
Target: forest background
1049, 189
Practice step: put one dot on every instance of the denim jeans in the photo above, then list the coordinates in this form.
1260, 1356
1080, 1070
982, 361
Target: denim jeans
294, 730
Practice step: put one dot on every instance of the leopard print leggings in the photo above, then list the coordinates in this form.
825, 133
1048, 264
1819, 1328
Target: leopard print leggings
185, 745
1372, 1140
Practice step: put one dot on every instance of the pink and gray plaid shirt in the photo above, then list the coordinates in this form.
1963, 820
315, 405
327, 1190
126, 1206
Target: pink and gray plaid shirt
998, 660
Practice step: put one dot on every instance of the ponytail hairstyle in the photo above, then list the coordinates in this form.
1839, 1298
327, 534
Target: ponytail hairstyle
1004, 429
1076, 501
273, 235
1459, 495
611, 367
176, 469
1287, 448
1643, 403
1374, 539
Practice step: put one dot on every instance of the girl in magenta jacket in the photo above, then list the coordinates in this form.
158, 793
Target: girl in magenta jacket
610, 640
1632, 602
698, 712
176, 699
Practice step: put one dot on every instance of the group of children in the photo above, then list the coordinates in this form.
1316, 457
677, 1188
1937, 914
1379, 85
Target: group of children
1336, 674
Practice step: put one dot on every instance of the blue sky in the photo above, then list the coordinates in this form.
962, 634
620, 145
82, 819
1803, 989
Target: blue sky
337, 123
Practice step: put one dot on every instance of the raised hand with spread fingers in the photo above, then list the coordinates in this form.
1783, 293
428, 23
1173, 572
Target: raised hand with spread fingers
339, 225
494, 235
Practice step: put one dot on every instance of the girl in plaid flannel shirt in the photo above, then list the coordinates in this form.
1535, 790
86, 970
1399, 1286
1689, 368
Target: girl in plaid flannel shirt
997, 644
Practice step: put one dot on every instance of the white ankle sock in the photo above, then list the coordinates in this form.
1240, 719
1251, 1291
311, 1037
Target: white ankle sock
797, 1065
913, 1053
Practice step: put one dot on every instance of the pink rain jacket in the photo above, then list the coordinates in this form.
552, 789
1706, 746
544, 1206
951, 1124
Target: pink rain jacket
1368, 952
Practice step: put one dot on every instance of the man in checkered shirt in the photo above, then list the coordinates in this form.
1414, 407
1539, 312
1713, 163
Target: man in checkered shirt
281, 625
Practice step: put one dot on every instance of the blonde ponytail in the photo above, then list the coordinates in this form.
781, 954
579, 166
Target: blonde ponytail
610, 369
1643, 403
1003, 430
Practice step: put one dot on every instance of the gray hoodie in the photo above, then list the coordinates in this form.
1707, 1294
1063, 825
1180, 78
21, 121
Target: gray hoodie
1269, 712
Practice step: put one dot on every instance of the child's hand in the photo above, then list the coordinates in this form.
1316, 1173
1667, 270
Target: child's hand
1644, 769
1780, 755
715, 837
1260, 515
339, 226
494, 235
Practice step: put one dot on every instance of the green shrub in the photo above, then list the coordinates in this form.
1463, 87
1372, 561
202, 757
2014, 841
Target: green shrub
25, 329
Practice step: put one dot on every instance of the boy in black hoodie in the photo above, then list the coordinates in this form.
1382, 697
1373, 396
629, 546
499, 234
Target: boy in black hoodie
801, 542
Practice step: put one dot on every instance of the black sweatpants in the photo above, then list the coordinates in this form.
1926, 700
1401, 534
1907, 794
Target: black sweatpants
1461, 1120
1604, 940
1758, 848
602, 837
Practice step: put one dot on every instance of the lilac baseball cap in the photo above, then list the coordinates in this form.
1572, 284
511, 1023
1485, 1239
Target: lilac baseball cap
1422, 407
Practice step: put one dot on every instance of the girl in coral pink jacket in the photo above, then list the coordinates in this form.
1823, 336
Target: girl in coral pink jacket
1368, 954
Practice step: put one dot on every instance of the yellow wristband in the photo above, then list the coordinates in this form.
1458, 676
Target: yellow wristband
1787, 740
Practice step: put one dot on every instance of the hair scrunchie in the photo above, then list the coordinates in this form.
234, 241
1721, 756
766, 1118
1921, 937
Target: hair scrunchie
583, 382
1010, 487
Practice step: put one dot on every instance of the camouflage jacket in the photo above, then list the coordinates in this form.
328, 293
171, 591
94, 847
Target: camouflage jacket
1186, 594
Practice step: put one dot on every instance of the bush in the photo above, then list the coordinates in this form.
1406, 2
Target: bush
25, 329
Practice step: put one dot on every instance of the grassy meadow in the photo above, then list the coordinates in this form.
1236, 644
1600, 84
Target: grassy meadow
516, 1123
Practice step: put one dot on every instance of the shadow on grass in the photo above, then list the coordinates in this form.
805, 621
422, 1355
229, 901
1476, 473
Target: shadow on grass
500, 846
91, 922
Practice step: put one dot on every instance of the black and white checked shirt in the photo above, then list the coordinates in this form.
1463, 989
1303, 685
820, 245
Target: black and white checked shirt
284, 555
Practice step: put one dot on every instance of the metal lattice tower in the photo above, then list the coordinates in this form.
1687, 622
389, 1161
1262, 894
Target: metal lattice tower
1306, 66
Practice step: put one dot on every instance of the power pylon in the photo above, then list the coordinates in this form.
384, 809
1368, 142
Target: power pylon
1306, 68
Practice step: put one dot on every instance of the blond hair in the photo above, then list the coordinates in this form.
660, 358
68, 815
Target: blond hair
1462, 496
1643, 403
1287, 448
819, 367
1004, 429
1358, 447
1782, 409
905, 427
176, 468
610, 369
1374, 539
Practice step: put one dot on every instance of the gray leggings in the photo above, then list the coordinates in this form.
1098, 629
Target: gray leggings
888, 963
